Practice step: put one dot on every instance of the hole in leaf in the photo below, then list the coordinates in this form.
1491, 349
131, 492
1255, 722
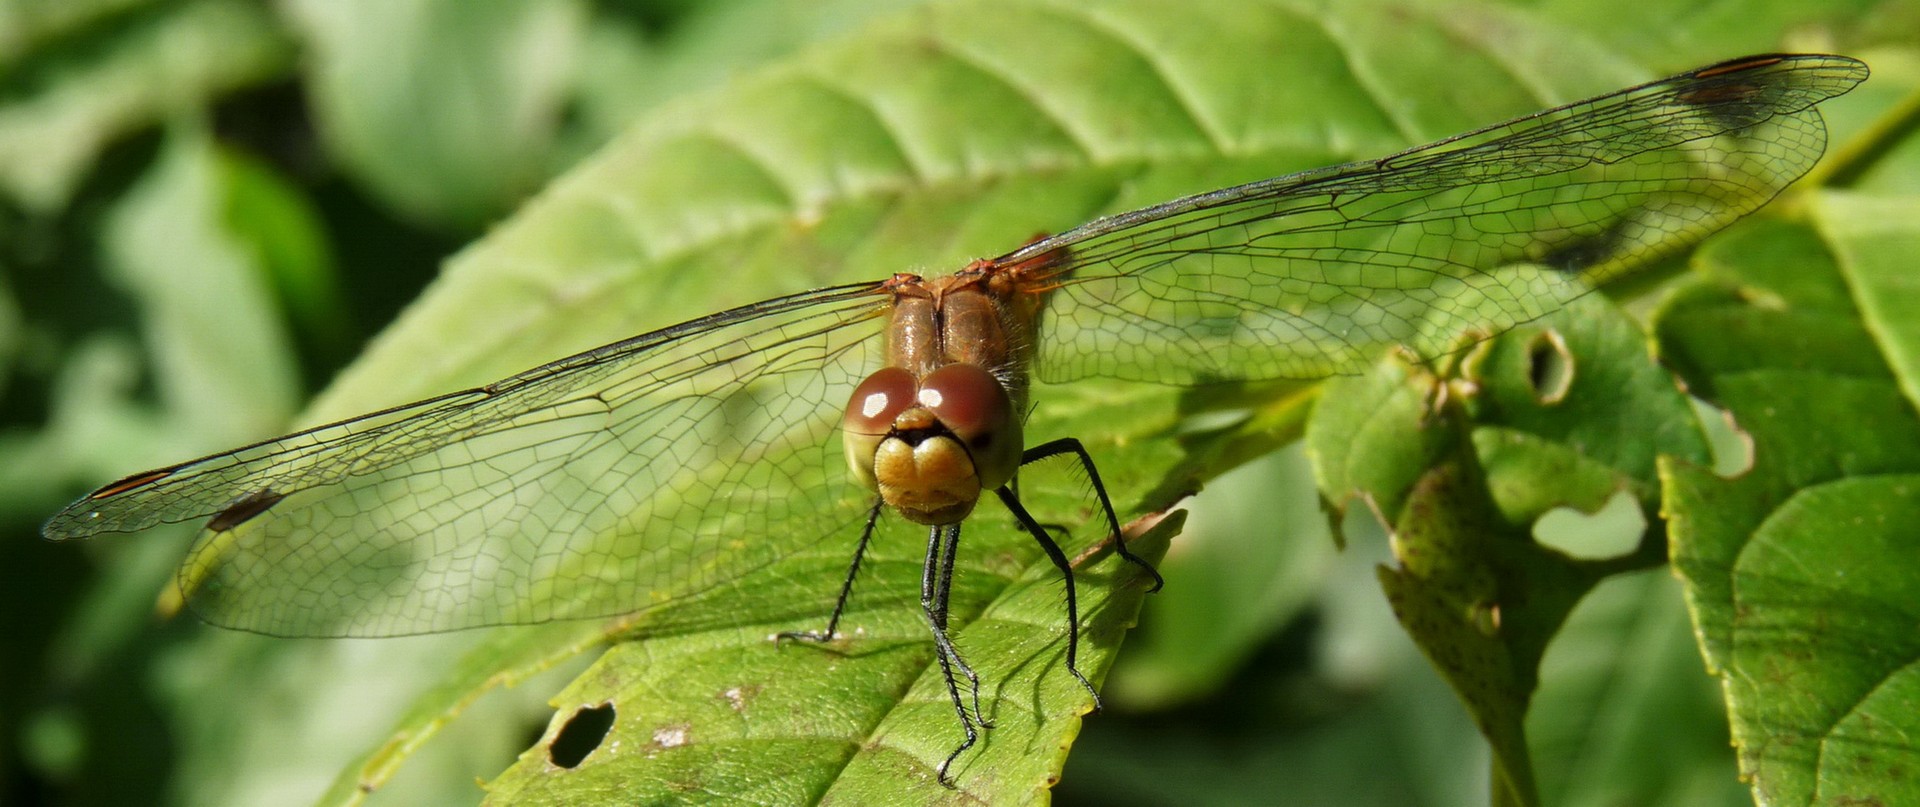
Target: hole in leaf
1731, 445
581, 735
1611, 531
1549, 367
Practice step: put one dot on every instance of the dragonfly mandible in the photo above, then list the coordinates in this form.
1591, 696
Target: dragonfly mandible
665, 465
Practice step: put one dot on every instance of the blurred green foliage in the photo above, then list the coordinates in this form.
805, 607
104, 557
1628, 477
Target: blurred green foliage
209, 207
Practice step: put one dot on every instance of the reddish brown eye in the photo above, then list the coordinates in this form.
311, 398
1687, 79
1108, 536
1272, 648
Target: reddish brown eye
968, 399
974, 405
878, 400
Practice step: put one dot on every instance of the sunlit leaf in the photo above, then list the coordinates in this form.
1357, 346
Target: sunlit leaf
942, 135
1561, 412
1798, 571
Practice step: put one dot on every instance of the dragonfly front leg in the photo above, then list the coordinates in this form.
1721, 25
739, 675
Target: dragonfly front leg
846, 586
936, 584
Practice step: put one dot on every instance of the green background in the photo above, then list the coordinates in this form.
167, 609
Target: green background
210, 208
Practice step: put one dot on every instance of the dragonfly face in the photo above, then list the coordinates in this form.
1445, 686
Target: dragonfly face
931, 446
630, 477
941, 423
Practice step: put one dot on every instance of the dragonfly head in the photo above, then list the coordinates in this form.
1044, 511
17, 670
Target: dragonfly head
931, 446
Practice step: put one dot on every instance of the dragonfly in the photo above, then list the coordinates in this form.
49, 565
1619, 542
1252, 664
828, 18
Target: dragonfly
653, 470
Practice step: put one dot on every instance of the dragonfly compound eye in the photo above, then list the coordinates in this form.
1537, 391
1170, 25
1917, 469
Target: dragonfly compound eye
974, 406
875, 404
878, 401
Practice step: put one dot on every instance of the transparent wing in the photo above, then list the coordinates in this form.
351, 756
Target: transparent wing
659, 467
601, 484
1314, 274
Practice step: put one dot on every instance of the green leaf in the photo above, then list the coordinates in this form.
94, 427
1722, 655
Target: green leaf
1654, 31
1560, 412
941, 136
70, 104
1623, 715
1874, 239
626, 69
732, 715
1799, 571
911, 157
445, 109
212, 318
503, 658
908, 156
1571, 409
1252, 557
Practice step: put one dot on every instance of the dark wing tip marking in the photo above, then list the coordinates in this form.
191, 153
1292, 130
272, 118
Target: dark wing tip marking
1723, 83
244, 509
1739, 65
129, 484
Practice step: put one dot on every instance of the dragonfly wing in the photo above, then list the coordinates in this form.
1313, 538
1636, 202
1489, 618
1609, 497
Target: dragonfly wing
1314, 274
605, 483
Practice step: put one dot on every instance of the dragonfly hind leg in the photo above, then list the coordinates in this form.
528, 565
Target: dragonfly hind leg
1070, 445
1065, 566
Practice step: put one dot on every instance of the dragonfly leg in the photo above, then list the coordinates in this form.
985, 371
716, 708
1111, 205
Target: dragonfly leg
1065, 566
846, 586
935, 589
1070, 445
1055, 527
936, 582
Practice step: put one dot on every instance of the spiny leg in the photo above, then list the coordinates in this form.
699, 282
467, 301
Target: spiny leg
1071, 445
1060, 561
846, 587
936, 579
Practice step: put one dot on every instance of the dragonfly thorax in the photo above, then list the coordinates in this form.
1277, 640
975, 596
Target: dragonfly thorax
931, 446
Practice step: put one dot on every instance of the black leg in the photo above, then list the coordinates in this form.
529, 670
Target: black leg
936, 582
1060, 561
846, 587
1069, 445
942, 591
